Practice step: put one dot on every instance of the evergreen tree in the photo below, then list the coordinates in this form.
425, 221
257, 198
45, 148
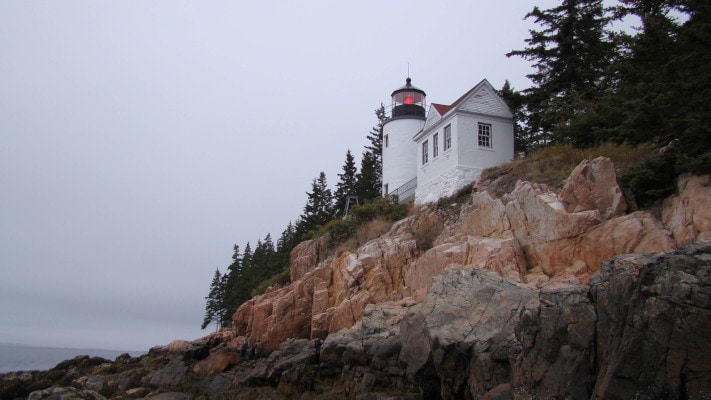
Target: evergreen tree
691, 119
319, 205
263, 264
665, 80
346, 185
571, 54
370, 179
640, 103
514, 99
233, 279
286, 242
375, 148
367, 184
240, 285
214, 311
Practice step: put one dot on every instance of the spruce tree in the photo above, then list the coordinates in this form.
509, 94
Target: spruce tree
240, 287
367, 183
233, 278
286, 242
370, 178
665, 81
375, 148
691, 120
571, 53
263, 260
514, 99
346, 185
319, 205
214, 311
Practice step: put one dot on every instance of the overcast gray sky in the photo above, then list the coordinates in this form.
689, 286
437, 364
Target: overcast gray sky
139, 140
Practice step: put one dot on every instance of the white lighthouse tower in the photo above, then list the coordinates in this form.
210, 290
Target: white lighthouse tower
399, 149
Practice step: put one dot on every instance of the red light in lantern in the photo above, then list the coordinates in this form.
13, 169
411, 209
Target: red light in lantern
408, 100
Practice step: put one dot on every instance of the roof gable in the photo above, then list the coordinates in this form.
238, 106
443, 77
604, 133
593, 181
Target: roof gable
441, 108
433, 115
482, 99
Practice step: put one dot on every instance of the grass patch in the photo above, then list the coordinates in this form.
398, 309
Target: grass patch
552, 165
372, 229
363, 222
282, 278
426, 229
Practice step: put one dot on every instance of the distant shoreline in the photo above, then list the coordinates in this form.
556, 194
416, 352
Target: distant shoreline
20, 357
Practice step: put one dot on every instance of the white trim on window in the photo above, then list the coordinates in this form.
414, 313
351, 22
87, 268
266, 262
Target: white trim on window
484, 136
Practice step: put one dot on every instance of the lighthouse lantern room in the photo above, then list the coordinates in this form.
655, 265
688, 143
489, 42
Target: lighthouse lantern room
408, 101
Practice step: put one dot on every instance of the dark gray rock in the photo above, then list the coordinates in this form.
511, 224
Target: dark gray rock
198, 350
292, 354
170, 396
654, 324
171, 374
65, 393
640, 330
556, 336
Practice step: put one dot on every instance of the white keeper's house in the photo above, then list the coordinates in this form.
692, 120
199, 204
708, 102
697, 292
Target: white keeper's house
433, 154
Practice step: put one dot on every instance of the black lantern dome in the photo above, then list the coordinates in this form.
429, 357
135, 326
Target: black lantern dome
408, 101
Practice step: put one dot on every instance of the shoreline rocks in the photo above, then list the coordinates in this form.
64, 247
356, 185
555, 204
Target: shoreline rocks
535, 294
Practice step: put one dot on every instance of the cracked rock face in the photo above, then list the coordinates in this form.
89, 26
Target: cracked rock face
639, 330
654, 324
478, 331
532, 235
515, 299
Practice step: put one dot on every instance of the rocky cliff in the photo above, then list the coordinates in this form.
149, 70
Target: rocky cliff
536, 293
533, 235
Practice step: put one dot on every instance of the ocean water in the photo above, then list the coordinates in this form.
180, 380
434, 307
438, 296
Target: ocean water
14, 357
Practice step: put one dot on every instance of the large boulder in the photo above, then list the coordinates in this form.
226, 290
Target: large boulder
478, 331
688, 214
654, 324
593, 186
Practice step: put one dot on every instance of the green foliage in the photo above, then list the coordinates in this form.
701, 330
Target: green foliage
649, 88
380, 207
280, 279
249, 269
214, 307
651, 180
347, 183
515, 100
570, 53
319, 205
368, 181
339, 230
370, 178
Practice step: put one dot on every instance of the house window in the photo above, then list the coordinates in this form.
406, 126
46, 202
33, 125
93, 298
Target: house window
484, 135
387, 141
447, 137
386, 190
435, 145
425, 157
